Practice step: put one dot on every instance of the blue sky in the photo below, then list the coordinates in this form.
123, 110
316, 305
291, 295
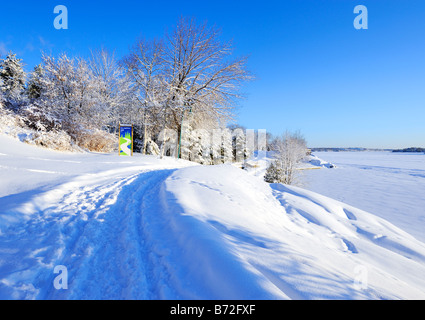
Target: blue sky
314, 71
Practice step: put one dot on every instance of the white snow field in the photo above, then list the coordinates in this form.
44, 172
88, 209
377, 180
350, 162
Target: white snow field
387, 184
144, 228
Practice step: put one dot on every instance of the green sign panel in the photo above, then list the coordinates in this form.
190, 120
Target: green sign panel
126, 140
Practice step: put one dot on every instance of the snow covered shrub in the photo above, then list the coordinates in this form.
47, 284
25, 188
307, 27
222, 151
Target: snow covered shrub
168, 139
36, 118
56, 140
152, 148
274, 173
16, 125
9, 121
96, 140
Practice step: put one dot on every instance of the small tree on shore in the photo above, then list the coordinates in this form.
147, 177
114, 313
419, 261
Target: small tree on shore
274, 172
289, 149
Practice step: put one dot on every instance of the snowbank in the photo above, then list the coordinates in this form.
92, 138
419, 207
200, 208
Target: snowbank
295, 243
14, 126
316, 161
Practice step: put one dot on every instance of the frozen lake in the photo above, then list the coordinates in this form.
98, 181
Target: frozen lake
389, 185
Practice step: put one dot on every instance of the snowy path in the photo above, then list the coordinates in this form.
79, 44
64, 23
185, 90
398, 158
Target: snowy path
97, 235
118, 266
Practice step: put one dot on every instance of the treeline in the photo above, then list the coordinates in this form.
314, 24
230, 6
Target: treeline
352, 149
411, 149
185, 83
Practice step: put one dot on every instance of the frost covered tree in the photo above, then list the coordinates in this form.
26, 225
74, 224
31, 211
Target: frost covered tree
70, 92
34, 86
115, 95
196, 150
12, 77
200, 74
289, 149
144, 65
190, 70
34, 113
1, 93
84, 97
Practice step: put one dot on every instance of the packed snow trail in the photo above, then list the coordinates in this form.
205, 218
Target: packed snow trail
115, 261
90, 230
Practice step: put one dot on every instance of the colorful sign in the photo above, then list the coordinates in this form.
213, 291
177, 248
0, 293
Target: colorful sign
126, 140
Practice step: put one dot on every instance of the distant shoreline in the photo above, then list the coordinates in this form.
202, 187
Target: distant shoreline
410, 150
347, 149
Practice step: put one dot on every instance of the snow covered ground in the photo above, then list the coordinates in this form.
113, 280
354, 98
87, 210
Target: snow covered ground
143, 228
389, 185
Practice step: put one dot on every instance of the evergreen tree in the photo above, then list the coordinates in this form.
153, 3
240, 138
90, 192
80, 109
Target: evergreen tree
12, 77
34, 86
1, 92
275, 173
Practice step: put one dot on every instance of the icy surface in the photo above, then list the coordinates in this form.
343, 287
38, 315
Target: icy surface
389, 185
